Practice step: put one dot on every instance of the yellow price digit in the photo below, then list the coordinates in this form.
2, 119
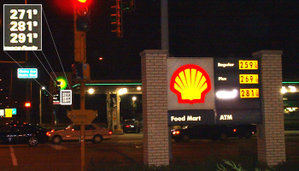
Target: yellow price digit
246, 93
248, 78
248, 65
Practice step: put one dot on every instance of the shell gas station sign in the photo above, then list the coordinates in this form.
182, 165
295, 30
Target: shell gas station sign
191, 90
213, 91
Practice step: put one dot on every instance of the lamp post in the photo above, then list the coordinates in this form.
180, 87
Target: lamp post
40, 104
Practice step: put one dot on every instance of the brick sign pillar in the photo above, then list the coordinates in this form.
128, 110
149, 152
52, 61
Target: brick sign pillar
270, 134
154, 107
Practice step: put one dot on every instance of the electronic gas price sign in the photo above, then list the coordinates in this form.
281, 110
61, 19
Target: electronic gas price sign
237, 89
22, 29
213, 91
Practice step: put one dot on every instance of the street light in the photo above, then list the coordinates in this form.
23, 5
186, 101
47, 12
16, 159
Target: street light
134, 98
40, 104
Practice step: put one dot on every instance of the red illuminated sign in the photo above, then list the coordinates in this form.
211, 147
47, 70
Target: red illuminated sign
190, 83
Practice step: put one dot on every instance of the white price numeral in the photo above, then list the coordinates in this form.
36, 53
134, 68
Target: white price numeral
21, 37
21, 12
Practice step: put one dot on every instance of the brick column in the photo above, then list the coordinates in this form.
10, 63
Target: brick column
154, 107
271, 140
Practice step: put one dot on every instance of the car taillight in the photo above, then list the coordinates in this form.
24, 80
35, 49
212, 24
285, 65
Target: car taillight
52, 130
48, 133
235, 130
176, 132
110, 132
127, 126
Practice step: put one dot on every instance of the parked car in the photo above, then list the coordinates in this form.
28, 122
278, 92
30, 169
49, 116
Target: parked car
22, 133
214, 132
131, 125
72, 132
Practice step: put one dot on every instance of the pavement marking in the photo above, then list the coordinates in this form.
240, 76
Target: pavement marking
58, 147
13, 156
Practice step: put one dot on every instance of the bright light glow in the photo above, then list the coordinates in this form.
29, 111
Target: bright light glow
138, 88
27, 104
227, 94
283, 90
134, 98
63, 82
91, 91
292, 109
43, 88
82, 1
122, 91
292, 89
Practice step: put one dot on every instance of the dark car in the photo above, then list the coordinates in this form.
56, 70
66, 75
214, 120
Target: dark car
131, 125
22, 133
213, 132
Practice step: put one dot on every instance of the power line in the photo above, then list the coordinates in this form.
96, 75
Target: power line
43, 66
55, 47
23, 67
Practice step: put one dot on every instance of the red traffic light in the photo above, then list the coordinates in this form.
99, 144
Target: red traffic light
82, 1
27, 104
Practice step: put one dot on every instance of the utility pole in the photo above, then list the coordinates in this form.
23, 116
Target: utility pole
28, 88
81, 15
164, 25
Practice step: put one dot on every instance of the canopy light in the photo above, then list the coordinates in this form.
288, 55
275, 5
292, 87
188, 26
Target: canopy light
292, 89
91, 91
283, 90
134, 98
122, 91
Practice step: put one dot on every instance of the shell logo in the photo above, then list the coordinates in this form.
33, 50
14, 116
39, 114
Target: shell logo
190, 83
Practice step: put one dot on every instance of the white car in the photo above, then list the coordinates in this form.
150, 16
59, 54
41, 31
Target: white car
72, 132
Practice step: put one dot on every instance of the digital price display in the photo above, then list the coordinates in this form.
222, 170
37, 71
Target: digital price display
249, 93
248, 78
248, 65
22, 27
237, 88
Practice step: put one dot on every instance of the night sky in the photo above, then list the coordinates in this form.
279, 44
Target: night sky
197, 28
222, 28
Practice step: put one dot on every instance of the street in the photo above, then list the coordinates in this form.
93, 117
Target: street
126, 150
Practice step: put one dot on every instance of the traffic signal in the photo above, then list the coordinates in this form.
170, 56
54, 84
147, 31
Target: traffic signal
77, 70
116, 18
27, 104
82, 14
58, 84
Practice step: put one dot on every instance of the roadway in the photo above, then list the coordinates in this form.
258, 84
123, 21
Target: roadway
126, 150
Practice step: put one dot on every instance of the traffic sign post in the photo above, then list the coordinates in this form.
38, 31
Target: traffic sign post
82, 117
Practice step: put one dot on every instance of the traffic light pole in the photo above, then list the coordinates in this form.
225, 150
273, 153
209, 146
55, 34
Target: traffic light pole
80, 56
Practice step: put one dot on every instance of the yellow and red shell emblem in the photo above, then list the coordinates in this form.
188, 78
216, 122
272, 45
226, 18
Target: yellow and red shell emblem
190, 83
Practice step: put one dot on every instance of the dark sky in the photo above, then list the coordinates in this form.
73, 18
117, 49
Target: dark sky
197, 28
220, 28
